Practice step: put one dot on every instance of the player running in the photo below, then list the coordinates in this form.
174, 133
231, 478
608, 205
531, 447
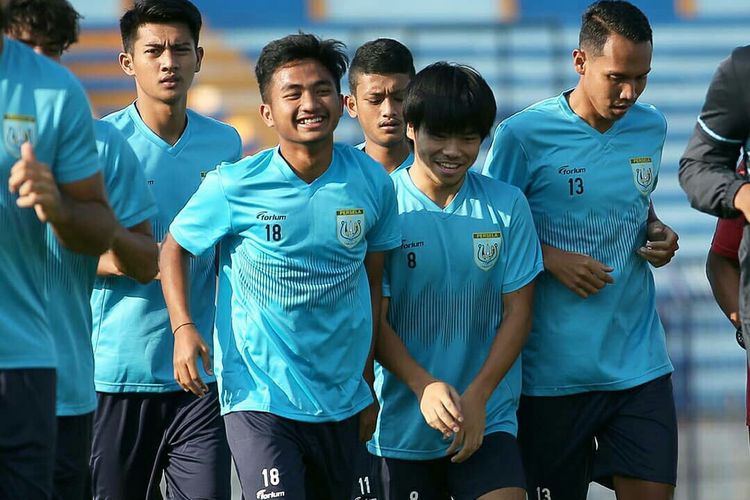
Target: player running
597, 393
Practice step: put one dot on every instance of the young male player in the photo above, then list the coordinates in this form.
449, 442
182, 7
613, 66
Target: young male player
48, 174
303, 228
458, 308
378, 76
595, 368
145, 425
50, 27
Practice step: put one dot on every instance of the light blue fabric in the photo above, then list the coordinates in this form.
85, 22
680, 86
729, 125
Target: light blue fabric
446, 284
589, 192
132, 337
294, 320
70, 276
404, 164
40, 102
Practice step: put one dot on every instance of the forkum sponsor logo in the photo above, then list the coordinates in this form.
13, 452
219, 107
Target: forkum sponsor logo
263, 494
568, 170
265, 215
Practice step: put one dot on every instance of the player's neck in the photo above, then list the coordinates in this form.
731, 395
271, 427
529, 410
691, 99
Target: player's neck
581, 105
308, 161
440, 194
168, 121
390, 157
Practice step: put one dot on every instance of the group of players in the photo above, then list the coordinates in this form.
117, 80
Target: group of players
305, 301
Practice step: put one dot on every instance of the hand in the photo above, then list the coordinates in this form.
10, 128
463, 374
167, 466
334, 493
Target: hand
470, 437
188, 346
661, 244
36, 186
441, 407
368, 419
580, 273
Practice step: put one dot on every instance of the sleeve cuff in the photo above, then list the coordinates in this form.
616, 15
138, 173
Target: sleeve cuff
729, 196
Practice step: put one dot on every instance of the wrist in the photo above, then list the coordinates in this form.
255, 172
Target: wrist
419, 383
182, 326
480, 390
742, 199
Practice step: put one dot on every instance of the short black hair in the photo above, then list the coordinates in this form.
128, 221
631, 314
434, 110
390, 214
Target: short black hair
613, 16
383, 56
330, 53
159, 12
56, 20
450, 99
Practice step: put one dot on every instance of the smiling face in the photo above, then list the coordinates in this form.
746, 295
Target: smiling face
303, 105
164, 61
611, 82
378, 104
443, 160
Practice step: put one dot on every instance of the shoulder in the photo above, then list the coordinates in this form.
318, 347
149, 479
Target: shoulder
215, 128
529, 118
361, 163
648, 115
249, 166
493, 189
119, 120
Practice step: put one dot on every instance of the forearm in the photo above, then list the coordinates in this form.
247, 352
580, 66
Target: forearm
393, 355
711, 187
134, 253
508, 343
724, 276
174, 281
85, 227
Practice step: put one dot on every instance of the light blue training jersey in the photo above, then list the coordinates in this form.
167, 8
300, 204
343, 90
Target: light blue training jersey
446, 286
132, 336
40, 102
589, 193
404, 164
70, 276
294, 319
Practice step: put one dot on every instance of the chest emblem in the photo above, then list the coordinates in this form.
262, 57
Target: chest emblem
487, 249
18, 129
643, 174
350, 226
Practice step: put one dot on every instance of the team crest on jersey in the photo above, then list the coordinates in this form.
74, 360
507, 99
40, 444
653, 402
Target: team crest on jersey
643, 174
350, 226
487, 249
18, 129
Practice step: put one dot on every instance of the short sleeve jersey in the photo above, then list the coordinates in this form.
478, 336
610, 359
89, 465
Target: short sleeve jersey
70, 276
727, 237
132, 337
446, 284
294, 319
404, 164
589, 193
41, 102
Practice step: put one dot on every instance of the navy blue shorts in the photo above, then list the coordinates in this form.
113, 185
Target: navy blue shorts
568, 441
74, 433
494, 466
138, 437
28, 431
277, 457
366, 483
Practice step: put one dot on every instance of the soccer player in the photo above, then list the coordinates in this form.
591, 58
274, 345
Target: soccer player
49, 174
378, 76
458, 308
145, 425
303, 228
596, 374
50, 27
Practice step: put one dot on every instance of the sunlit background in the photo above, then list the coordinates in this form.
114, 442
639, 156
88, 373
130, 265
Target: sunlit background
522, 47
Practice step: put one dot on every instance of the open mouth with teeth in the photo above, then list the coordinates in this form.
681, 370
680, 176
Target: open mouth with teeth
313, 120
448, 166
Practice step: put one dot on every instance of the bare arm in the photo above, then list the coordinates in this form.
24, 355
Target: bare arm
134, 253
509, 341
580, 273
724, 276
77, 211
188, 343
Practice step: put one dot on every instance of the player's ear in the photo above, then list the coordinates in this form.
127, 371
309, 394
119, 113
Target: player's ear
410, 132
579, 61
126, 63
350, 103
265, 115
199, 53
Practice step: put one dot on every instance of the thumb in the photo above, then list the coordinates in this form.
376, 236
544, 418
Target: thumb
27, 152
206, 357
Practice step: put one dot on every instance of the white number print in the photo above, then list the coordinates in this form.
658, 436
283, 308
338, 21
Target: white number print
414, 495
270, 477
364, 485
543, 494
